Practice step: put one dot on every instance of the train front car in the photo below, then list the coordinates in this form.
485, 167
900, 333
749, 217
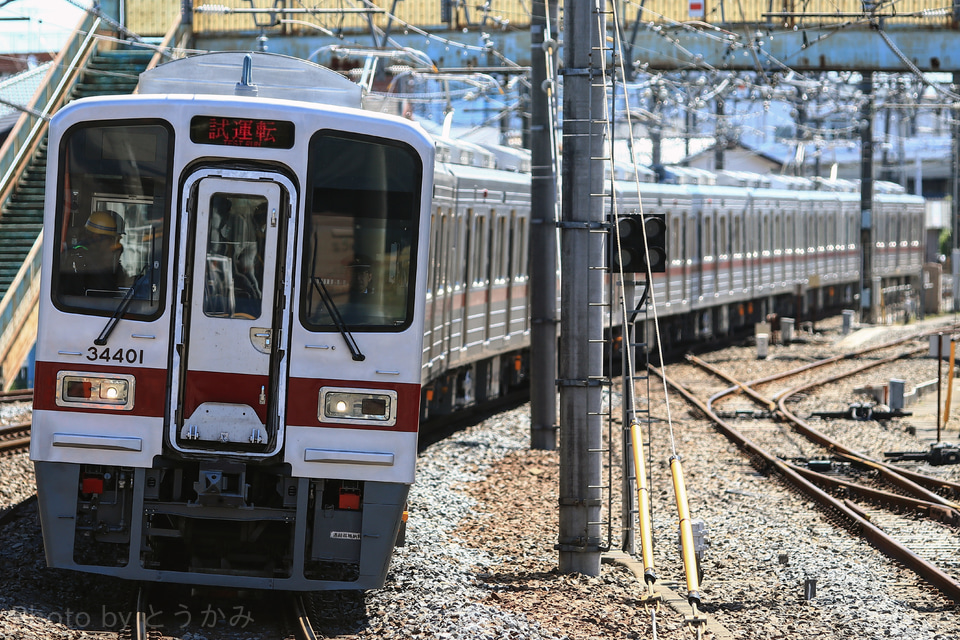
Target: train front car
228, 360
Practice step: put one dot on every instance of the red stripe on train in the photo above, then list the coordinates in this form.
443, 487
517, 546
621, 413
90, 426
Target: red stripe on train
150, 392
304, 403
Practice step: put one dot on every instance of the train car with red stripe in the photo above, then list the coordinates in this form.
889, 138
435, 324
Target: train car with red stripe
742, 246
228, 367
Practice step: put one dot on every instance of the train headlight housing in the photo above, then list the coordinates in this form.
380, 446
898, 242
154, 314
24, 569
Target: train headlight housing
358, 406
78, 389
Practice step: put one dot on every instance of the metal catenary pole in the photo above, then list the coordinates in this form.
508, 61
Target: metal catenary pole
869, 295
581, 360
543, 242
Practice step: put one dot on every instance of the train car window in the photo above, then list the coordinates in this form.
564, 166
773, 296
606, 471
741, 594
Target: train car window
443, 277
506, 245
479, 272
458, 249
523, 268
724, 248
765, 231
738, 237
493, 256
788, 234
362, 226
434, 243
235, 254
676, 240
708, 231
112, 218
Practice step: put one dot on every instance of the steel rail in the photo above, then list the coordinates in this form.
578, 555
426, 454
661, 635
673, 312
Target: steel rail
11, 438
919, 485
9, 446
303, 630
891, 474
932, 510
907, 480
16, 395
858, 523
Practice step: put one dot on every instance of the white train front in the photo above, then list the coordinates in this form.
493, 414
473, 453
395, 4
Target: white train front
228, 359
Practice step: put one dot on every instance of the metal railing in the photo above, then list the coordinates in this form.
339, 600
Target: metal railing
289, 18
31, 127
19, 302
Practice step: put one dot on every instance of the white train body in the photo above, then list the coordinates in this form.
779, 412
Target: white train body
208, 419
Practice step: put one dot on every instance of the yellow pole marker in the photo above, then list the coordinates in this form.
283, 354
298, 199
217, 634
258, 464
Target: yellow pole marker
686, 538
643, 505
946, 407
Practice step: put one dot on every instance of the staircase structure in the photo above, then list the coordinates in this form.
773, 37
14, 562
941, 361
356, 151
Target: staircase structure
88, 65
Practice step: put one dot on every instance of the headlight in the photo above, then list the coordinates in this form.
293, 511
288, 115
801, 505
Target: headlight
358, 406
76, 389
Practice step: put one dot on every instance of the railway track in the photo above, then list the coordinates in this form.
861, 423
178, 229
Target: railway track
15, 437
884, 510
17, 395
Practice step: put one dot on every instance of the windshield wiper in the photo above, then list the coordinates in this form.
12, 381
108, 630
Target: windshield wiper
337, 319
121, 309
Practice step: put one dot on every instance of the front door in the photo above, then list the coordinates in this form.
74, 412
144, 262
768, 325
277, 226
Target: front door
227, 356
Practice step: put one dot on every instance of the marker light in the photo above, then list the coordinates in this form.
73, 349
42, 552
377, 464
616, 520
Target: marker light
77, 389
358, 406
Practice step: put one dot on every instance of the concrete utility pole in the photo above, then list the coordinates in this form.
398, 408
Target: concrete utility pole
721, 134
955, 197
581, 352
869, 294
543, 236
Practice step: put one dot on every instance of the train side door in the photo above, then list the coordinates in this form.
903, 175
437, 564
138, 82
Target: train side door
226, 385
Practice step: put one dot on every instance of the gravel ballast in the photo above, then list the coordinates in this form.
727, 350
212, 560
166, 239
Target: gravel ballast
479, 560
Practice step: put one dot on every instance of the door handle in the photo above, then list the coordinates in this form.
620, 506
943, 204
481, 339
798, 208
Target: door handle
261, 339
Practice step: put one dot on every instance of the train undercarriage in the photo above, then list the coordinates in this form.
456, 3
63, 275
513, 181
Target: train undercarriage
196, 522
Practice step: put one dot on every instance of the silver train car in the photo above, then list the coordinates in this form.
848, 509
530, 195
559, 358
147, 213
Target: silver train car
254, 291
739, 246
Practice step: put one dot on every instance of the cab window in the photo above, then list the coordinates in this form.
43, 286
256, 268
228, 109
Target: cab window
363, 207
112, 218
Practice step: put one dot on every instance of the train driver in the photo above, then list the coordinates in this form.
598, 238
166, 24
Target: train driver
91, 266
361, 279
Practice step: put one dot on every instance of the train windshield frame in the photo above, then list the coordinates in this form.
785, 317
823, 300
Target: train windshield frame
362, 233
113, 218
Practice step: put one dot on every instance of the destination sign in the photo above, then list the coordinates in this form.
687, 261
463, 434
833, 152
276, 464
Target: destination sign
242, 132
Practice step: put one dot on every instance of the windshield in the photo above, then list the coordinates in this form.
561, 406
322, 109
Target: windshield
363, 204
111, 218
234, 256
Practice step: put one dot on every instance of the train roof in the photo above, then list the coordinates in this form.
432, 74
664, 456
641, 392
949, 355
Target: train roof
266, 75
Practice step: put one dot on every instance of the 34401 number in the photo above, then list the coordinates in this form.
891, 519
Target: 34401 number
125, 356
